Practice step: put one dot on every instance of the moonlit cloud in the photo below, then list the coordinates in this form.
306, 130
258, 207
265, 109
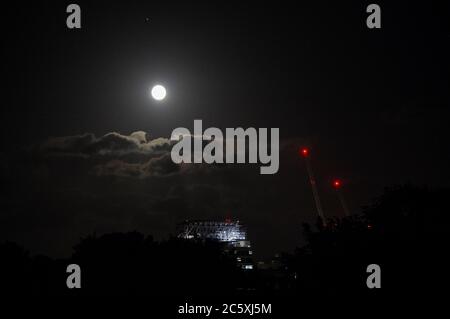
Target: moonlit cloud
109, 144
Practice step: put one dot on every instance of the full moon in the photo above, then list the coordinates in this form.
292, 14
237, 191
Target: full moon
158, 92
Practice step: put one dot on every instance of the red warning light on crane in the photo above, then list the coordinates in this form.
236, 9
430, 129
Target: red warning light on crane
304, 152
337, 183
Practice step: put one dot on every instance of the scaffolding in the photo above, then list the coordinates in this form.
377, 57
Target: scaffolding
231, 234
227, 231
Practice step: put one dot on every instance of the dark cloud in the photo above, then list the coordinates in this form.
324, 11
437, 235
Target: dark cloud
114, 144
155, 166
114, 154
68, 144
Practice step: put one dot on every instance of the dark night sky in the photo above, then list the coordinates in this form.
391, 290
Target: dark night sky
372, 104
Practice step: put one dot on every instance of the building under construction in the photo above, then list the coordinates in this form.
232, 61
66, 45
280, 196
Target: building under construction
231, 233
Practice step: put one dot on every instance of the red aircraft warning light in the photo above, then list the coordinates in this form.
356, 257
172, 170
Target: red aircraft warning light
304, 152
337, 183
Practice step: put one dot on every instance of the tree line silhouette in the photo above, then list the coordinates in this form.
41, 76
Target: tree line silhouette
404, 231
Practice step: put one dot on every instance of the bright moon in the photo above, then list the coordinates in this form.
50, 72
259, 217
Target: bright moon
159, 92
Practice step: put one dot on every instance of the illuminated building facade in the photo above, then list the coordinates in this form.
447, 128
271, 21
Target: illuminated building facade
231, 233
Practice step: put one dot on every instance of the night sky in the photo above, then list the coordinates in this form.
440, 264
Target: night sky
373, 106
